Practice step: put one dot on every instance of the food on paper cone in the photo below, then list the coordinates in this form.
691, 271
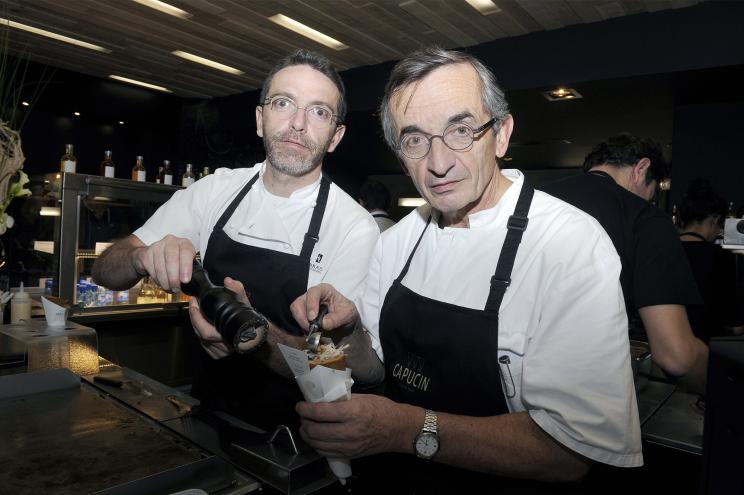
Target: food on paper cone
328, 355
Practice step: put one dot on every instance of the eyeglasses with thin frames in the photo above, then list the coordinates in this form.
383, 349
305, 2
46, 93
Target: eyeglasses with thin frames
457, 137
285, 107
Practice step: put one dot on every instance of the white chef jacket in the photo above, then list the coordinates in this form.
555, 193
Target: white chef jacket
346, 240
562, 322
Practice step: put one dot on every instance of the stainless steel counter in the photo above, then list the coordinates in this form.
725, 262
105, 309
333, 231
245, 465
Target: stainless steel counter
61, 435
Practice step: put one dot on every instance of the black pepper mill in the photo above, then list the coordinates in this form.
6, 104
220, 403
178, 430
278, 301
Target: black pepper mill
240, 325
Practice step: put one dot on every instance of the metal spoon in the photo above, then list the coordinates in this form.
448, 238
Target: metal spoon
316, 328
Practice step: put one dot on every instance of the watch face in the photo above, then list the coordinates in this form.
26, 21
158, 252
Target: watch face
427, 444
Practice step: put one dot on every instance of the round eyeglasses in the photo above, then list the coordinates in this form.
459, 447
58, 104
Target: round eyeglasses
286, 107
457, 137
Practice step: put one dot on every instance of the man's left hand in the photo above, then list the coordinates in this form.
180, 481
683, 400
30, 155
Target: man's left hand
362, 426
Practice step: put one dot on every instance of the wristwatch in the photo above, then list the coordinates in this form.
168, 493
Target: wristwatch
426, 443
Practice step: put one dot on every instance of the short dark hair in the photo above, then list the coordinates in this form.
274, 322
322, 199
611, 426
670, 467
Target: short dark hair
317, 62
374, 195
625, 150
700, 202
420, 64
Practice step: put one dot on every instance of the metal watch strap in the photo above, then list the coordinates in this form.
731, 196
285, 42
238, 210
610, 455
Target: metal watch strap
430, 421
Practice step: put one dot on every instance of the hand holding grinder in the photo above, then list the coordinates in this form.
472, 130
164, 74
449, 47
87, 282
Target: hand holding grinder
240, 325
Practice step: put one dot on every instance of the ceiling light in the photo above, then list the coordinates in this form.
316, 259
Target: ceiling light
411, 202
559, 94
76, 114
24, 103
207, 62
308, 32
485, 7
121, 122
54, 36
140, 83
165, 8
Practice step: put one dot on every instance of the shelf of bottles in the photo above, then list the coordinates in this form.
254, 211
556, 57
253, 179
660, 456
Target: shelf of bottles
71, 218
165, 175
95, 211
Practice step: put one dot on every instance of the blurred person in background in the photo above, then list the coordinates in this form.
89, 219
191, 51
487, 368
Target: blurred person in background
701, 216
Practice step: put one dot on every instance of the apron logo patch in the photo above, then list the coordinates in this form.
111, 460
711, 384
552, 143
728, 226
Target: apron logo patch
410, 376
316, 266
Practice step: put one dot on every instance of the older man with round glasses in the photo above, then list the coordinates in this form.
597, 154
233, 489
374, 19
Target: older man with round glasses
272, 231
496, 309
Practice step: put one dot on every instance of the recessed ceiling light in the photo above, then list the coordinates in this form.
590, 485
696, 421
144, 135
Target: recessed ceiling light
54, 36
76, 114
165, 8
411, 202
306, 31
24, 103
140, 83
207, 62
121, 122
559, 94
485, 7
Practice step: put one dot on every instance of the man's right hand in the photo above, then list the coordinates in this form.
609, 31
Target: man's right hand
341, 311
209, 337
168, 261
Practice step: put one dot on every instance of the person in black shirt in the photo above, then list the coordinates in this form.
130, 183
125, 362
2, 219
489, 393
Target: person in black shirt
375, 198
701, 216
621, 175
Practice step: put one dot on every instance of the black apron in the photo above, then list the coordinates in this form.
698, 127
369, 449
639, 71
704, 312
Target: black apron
239, 384
443, 357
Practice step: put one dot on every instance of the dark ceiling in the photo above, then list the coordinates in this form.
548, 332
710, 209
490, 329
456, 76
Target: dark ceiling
138, 41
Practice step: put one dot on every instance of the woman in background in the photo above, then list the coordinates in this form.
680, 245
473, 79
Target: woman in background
701, 217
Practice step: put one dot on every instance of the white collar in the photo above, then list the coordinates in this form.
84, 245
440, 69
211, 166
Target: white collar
303, 194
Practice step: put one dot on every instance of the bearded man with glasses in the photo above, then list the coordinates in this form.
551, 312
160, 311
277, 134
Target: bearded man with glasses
497, 311
270, 231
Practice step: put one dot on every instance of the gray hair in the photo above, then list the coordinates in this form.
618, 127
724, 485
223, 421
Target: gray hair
317, 62
420, 64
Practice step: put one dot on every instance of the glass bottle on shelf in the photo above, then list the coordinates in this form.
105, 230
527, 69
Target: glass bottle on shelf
188, 176
675, 216
204, 173
107, 165
161, 175
138, 172
167, 173
731, 213
68, 162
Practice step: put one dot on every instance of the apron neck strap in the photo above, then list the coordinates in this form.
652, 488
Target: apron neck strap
235, 202
311, 237
516, 225
410, 256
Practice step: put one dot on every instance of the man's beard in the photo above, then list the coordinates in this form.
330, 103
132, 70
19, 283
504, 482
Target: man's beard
294, 162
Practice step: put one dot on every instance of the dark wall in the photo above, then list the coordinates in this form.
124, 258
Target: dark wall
151, 123
708, 143
222, 132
